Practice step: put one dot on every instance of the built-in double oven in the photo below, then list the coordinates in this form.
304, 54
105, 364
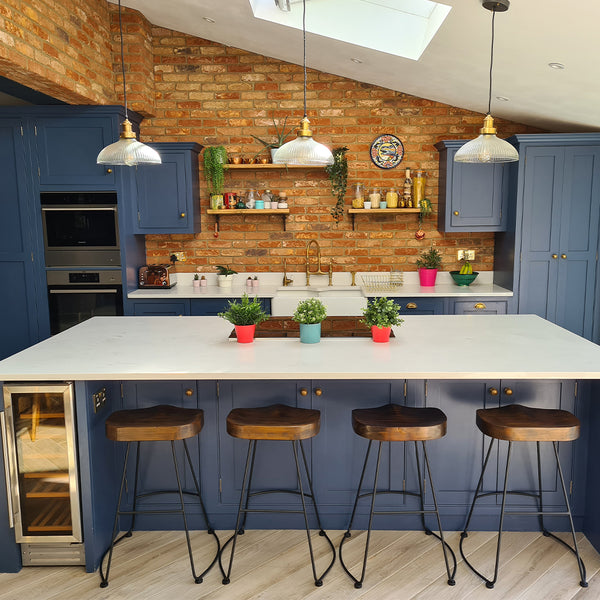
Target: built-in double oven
82, 254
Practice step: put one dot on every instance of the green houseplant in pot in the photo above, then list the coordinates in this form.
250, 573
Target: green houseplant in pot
225, 275
428, 264
380, 314
245, 315
310, 313
280, 138
215, 163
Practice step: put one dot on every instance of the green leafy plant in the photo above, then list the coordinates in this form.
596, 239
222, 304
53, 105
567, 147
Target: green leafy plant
245, 312
310, 311
426, 209
381, 312
430, 259
215, 163
280, 137
225, 270
338, 175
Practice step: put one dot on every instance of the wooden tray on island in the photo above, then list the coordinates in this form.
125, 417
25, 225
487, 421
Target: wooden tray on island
284, 327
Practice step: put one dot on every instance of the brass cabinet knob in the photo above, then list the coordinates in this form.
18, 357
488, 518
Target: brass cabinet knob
493, 391
479, 306
456, 213
303, 392
411, 305
555, 256
318, 392
109, 171
508, 391
189, 392
563, 256
182, 215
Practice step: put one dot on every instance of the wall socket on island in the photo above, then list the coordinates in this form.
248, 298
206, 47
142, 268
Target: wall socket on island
466, 254
180, 256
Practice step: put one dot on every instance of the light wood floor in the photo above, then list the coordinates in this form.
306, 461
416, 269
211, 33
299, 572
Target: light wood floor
273, 565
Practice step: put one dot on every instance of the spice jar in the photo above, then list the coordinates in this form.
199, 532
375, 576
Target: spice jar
282, 200
391, 197
359, 197
375, 197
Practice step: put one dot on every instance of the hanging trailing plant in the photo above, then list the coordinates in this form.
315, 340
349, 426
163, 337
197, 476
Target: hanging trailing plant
425, 206
338, 175
215, 163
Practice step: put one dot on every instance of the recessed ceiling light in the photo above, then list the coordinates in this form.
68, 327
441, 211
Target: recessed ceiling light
357, 61
556, 65
502, 98
208, 19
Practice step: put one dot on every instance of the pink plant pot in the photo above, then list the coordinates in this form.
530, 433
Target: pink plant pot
381, 335
427, 277
245, 333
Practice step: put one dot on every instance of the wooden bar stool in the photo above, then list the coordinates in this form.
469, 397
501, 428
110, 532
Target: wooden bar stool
158, 423
395, 423
516, 423
282, 423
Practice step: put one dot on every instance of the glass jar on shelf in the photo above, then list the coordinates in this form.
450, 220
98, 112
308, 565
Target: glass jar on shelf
375, 197
358, 201
419, 181
391, 197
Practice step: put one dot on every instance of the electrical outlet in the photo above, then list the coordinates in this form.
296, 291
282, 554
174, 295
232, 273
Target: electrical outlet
99, 399
470, 254
460, 254
181, 257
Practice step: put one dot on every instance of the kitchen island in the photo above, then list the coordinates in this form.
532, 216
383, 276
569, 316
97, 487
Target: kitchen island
458, 363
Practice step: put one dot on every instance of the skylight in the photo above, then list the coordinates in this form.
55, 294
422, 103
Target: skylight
400, 27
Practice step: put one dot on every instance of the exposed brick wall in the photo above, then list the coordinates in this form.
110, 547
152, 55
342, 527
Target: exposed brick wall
214, 94
59, 47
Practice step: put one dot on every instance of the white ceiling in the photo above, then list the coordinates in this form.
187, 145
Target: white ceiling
453, 69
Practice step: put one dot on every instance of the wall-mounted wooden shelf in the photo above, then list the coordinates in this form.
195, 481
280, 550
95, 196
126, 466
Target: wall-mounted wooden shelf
381, 211
226, 212
272, 166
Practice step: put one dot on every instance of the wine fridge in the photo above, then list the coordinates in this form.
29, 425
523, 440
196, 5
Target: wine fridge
41, 472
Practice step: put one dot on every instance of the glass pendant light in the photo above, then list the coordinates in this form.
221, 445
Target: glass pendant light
303, 150
127, 151
488, 148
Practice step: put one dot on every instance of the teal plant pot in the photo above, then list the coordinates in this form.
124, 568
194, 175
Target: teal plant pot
310, 333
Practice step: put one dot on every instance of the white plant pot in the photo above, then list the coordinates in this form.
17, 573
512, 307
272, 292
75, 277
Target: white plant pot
225, 281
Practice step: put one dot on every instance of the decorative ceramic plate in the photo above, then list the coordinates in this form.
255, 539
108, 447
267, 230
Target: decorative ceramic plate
387, 151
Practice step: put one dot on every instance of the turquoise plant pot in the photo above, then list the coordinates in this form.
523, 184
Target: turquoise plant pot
310, 333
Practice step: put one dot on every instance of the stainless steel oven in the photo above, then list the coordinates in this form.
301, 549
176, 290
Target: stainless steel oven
81, 229
74, 296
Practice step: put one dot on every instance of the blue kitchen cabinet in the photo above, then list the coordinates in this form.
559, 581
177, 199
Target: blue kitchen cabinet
472, 197
421, 306
481, 306
202, 307
23, 308
163, 308
168, 197
559, 239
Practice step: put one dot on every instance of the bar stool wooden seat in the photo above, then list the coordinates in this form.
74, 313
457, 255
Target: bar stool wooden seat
157, 423
280, 423
517, 423
396, 423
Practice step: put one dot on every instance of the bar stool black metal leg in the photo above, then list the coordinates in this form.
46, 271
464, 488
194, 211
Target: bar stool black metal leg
421, 493
233, 538
348, 534
445, 547
540, 488
242, 528
113, 541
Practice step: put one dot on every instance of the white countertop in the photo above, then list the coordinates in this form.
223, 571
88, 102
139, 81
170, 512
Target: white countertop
482, 287
425, 347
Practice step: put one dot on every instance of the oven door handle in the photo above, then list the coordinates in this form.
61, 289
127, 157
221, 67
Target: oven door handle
8, 481
85, 291
78, 207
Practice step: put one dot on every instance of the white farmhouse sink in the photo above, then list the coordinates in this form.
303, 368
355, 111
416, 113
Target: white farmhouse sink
341, 300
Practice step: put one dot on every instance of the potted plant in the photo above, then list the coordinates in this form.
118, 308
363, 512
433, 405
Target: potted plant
310, 313
280, 138
245, 316
428, 264
196, 280
225, 275
215, 163
338, 175
380, 314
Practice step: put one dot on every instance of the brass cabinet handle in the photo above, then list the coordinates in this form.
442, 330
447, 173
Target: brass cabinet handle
456, 213
318, 392
493, 391
182, 215
189, 392
109, 170
508, 391
563, 256
555, 256
303, 392
411, 305
480, 306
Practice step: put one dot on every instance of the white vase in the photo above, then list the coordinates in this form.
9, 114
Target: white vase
224, 280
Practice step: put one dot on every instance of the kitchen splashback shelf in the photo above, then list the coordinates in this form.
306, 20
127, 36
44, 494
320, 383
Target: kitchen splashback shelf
381, 211
225, 212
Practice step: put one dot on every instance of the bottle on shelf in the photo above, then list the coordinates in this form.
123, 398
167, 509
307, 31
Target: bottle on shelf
408, 190
251, 199
419, 188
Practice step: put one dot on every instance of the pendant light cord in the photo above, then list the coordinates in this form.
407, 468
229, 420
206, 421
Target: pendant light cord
489, 111
304, 49
122, 60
